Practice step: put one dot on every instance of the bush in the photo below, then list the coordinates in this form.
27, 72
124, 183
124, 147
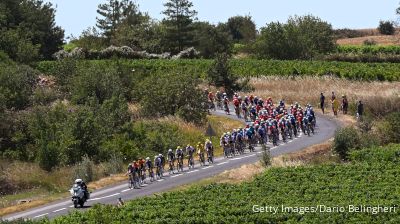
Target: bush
266, 158
369, 42
84, 170
172, 94
389, 130
345, 140
17, 83
386, 27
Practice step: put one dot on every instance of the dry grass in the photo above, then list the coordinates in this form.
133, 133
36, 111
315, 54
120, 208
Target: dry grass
384, 40
307, 90
315, 154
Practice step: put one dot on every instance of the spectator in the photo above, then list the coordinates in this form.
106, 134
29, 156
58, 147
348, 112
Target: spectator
345, 104
335, 106
333, 98
360, 109
120, 202
322, 101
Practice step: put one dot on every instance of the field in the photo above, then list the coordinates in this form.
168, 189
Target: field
251, 68
380, 98
365, 181
383, 40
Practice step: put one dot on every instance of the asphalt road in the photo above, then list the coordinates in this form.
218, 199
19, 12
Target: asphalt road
324, 131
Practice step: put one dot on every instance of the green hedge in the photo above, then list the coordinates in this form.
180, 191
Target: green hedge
254, 68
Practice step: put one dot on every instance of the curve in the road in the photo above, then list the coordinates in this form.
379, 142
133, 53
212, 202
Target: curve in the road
324, 131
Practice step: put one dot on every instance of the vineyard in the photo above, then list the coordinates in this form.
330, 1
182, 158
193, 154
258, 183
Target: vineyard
366, 180
347, 49
251, 68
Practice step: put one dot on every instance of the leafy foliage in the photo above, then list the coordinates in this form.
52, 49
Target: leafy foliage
242, 29
255, 68
220, 75
346, 139
29, 30
174, 94
178, 24
386, 27
300, 38
17, 84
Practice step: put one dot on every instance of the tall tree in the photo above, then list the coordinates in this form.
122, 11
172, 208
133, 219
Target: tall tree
178, 21
28, 28
242, 28
115, 12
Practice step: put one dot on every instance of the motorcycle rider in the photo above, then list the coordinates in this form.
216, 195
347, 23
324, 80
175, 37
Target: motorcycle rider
83, 186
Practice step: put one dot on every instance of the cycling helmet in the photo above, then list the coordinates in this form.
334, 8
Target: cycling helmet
169, 150
148, 158
160, 155
78, 181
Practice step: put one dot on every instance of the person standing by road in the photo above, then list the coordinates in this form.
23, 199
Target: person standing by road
322, 102
345, 104
335, 106
333, 98
360, 109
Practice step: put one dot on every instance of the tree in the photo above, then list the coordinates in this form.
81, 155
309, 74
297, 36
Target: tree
116, 12
28, 30
91, 39
220, 75
173, 94
178, 22
242, 29
210, 40
300, 38
386, 27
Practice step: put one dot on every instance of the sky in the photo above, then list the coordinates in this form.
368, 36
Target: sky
77, 15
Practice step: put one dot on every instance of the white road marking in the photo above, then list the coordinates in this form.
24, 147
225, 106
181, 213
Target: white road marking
59, 210
71, 206
109, 196
160, 180
208, 167
38, 216
248, 156
219, 164
125, 190
236, 159
193, 171
259, 152
177, 175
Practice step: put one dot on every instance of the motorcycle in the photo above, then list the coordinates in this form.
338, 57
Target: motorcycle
78, 195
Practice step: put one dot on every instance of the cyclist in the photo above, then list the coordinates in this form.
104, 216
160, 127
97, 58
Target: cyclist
158, 165
226, 105
171, 160
179, 157
210, 151
130, 173
190, 151
162, 158
200, 153
142, 170
149, 167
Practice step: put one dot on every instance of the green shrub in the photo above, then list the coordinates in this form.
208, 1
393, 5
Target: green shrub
386, 27
345, 140
266, 158
389, 130
84, 170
